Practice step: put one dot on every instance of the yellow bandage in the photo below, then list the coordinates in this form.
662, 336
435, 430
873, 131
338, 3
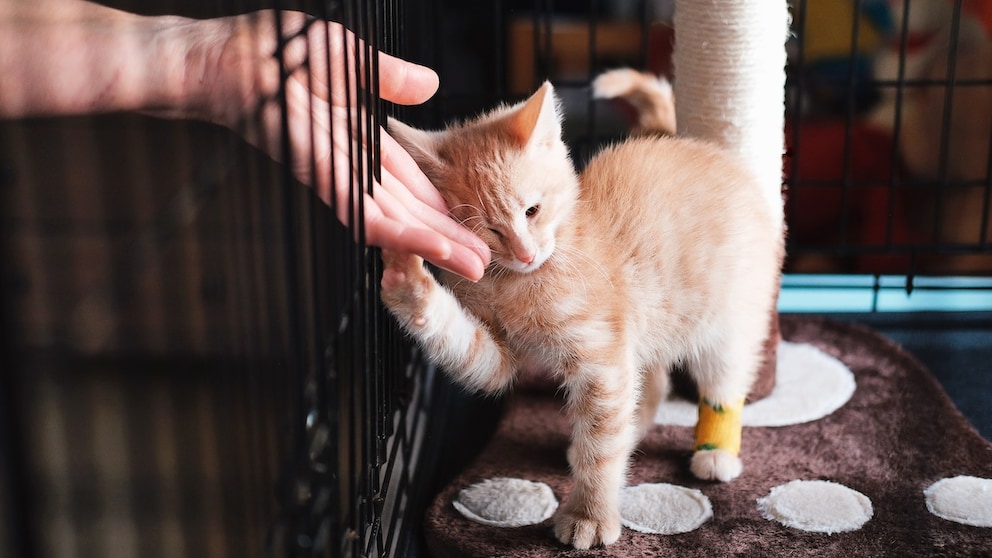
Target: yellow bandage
719, 426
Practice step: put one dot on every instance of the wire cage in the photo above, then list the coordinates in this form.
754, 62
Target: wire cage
194, 359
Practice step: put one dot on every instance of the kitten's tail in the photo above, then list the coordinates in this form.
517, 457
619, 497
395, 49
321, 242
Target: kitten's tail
650, 95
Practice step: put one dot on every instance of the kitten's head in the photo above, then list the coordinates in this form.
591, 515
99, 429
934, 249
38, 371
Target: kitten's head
505, 175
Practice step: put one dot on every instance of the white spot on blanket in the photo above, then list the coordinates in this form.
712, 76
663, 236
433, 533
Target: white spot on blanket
809, 385
506, 502
663, 509
818, 506
961, 499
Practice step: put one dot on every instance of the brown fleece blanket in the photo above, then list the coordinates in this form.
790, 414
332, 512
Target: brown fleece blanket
896, 436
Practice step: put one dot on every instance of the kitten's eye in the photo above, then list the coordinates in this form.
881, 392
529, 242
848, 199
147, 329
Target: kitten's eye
496, 232
532, 210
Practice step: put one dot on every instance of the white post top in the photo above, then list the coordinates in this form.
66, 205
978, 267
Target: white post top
730, 80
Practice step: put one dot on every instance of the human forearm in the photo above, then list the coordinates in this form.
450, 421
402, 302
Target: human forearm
73, 57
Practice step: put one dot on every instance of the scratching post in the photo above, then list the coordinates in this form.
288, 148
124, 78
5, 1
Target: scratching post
729, 85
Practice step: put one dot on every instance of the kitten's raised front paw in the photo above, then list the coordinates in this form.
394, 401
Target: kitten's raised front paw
716, 464
406, 287
586, 532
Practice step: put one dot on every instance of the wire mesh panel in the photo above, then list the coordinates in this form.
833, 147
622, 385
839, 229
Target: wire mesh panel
890, 118
196, 362
353, 453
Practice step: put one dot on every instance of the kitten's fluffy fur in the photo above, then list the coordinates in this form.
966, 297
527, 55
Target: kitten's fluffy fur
661, 252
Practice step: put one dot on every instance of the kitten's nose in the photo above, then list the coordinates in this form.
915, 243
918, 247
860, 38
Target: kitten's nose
525, 255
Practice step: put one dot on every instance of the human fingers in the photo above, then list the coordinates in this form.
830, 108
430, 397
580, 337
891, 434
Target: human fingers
389, 220
330, 50
393, 235
409, 206
398, 162
463, 254
440, 221
404, 82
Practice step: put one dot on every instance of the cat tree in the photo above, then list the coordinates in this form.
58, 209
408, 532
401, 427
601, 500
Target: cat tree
729, 87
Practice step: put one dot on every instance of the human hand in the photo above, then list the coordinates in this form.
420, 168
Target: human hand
232, 79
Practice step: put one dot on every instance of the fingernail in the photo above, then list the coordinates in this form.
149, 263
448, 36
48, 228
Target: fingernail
444, 250
479, 271
473, 271
482, 249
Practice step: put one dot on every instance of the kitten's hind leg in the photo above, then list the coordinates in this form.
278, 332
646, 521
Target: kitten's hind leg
718, 441
724, 373
654, 391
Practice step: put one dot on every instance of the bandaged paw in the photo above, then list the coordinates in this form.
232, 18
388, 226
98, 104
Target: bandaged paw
718, 441
719, 426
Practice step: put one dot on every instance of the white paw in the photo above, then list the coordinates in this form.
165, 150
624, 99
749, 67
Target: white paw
716, 464
406, 287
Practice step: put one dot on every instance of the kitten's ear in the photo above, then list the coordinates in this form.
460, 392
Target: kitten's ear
536, 119
420, 144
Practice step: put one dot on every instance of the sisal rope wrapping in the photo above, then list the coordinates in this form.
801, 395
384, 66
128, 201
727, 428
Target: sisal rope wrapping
730, 80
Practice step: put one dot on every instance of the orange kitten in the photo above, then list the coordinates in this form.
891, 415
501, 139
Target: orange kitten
661, 252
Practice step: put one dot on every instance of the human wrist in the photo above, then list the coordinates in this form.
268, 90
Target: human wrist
177, 54
216, 67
